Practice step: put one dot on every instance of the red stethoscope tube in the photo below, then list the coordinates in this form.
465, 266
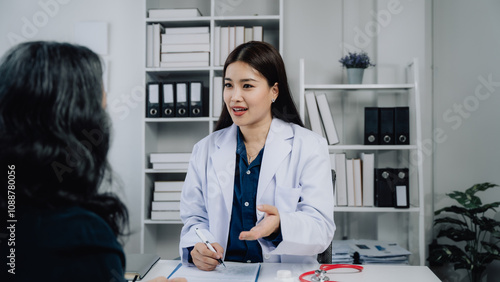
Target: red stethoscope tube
324, 268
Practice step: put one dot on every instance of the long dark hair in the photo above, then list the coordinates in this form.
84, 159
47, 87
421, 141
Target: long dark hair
54, 131
264, 58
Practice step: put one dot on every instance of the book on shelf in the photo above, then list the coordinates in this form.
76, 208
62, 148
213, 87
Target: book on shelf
184, 48
181, 99
171, 165
165, 186
340, 181
312, 110
165, 205
153, 100
327, 118
216, 61
349, 169
224, 45
187, 30
149, 46
189, 38
166, 196
169, 157
239, 35
185, 57
402, 125
184, 64
401, 192
358, 184
165, 215
232, 38
248, 34
167, 100
174, 13
217, 96
258, 33
229, 37
157, 33
368, 170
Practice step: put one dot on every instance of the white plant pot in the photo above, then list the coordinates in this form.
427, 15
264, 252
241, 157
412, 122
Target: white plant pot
355, 75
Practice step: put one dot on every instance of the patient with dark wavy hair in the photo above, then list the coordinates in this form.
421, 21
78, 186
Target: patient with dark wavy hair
54, 140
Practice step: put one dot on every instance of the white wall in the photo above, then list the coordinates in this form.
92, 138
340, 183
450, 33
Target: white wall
466, 46
466, 56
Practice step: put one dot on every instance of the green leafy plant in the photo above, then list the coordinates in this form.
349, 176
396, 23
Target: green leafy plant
356, 60
471, 229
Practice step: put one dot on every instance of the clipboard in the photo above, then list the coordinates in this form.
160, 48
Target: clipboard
234, 271
138, 265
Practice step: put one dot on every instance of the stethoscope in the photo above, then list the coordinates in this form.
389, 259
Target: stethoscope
320, 274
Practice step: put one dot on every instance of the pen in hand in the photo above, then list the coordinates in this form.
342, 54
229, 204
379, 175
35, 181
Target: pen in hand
207, 243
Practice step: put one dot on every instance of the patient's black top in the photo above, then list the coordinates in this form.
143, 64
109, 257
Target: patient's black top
66, 244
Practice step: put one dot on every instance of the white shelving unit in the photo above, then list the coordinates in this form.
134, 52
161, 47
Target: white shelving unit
408, 94
180, 134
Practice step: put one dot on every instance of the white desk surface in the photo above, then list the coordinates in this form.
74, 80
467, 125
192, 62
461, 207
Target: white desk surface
372, 273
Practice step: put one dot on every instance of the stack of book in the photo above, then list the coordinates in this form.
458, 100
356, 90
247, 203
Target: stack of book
185, 47
228, 37
166, 200
170, 160
177, 47
354, 184
371, 251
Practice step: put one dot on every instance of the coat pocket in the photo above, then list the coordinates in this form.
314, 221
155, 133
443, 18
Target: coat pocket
287, 198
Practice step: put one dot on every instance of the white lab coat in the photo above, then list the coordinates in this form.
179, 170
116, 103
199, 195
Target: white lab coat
295, 176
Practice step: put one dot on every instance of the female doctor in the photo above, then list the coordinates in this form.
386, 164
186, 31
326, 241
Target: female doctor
260, 186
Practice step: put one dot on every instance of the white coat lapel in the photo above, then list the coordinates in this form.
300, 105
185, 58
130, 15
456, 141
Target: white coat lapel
276, 149
223, 160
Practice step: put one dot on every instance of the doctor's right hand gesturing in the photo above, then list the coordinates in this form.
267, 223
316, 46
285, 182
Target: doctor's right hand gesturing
204, 258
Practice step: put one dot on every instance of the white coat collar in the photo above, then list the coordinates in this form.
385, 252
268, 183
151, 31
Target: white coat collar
277, 147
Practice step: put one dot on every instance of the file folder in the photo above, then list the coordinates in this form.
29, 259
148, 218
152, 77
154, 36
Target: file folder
384, 187
181, 104
168, 100
153, 100
402, 125
401, 195
196, 101
371, 126
386, 126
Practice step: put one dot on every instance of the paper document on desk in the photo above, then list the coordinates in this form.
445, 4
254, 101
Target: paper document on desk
373, 248
234, 271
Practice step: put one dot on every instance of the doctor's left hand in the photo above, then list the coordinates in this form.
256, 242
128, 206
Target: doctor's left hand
267, 226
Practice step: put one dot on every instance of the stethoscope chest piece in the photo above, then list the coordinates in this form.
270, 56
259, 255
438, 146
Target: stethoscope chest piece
320, 276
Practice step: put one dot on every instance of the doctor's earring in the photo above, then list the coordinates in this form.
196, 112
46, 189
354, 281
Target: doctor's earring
273, 100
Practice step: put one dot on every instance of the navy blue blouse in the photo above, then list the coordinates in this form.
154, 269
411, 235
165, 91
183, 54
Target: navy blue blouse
244, 211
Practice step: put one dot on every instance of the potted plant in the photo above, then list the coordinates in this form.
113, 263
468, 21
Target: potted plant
356, 63
478, 235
